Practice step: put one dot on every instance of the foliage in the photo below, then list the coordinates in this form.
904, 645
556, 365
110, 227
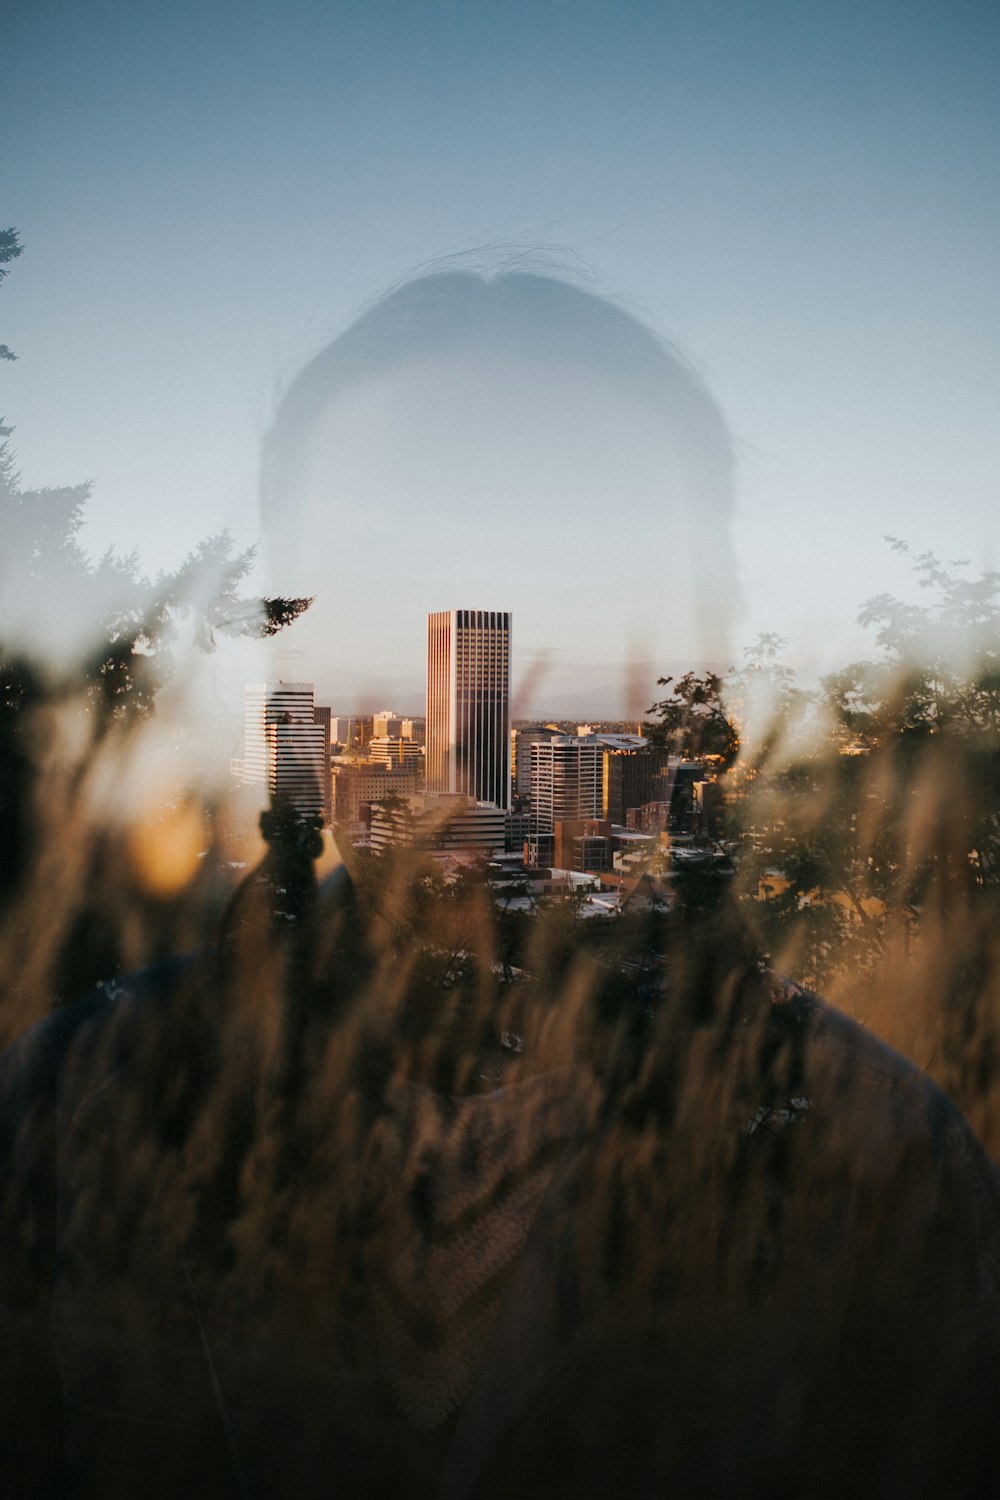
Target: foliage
122, 624
763, 700
873, 854
10, 249
112, 627
96, 639
90, 642
691, 722
940, 666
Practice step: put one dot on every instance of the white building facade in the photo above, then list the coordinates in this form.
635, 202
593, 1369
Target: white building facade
439, 822
284, 748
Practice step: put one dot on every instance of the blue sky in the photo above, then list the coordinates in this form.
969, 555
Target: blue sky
802, 196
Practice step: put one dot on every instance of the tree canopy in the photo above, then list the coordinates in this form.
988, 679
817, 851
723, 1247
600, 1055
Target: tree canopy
691, 721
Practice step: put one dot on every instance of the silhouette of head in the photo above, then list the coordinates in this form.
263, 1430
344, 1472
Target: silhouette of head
507, 441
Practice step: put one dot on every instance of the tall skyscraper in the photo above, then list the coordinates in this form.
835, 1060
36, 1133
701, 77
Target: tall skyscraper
285, 749
468, 704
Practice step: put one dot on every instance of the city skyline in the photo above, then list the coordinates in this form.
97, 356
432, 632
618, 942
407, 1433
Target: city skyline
417, 776
615, 692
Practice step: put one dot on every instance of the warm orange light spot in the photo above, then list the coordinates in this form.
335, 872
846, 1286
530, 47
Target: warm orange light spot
164, 850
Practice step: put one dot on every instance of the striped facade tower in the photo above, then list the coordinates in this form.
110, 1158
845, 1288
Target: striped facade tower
566, 780
285, 749
468, 704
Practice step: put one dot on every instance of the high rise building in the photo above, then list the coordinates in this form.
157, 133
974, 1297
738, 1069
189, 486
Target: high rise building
322, 716
468, 704
630, 771
522, 740
566, 780
285, 749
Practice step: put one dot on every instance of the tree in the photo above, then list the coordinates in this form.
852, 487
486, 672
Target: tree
89, 644
763, 700
120, 623
930, 706
877, 844
692, 722
939, 670
10, 249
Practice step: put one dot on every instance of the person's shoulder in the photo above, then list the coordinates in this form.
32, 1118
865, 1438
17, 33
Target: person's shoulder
839, 1044
879, 1099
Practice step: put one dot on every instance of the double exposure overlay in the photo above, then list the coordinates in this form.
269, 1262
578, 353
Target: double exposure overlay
581, 1076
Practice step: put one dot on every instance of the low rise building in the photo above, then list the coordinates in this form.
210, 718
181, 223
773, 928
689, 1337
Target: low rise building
583, 844
397, 753
359, 784
438, 822
540, 851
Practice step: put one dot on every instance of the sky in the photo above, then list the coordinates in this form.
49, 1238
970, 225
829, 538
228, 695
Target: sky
802, 197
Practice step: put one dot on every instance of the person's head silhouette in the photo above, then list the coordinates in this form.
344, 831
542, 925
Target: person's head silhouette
520, 442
